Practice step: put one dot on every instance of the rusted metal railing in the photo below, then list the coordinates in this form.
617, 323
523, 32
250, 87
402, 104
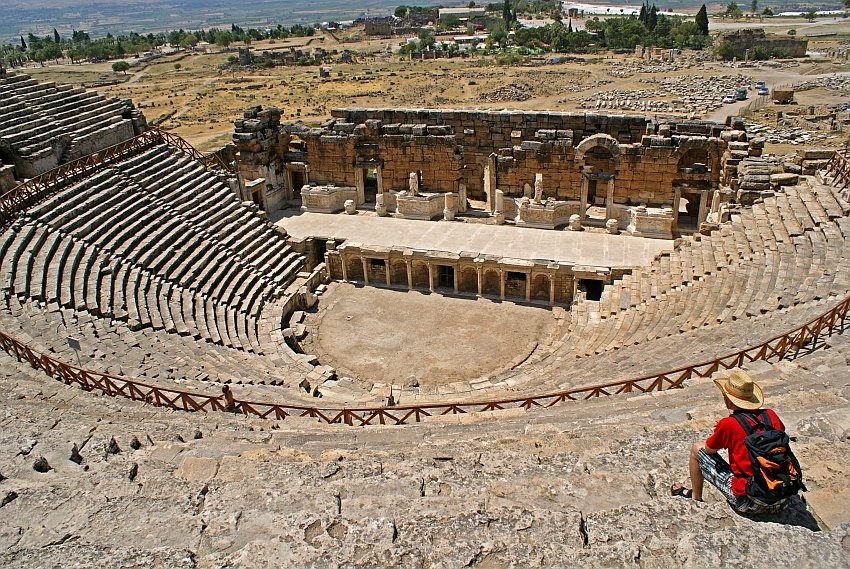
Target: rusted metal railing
32, 191
778, 347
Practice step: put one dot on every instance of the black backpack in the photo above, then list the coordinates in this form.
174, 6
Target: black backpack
776, 472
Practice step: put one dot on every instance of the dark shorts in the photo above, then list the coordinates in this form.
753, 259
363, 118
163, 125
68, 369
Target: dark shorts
717, 472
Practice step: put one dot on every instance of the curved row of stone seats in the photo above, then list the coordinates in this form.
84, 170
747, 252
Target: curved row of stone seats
772, 268
580, 484
46, 124
155, 356
146, 252
779, 253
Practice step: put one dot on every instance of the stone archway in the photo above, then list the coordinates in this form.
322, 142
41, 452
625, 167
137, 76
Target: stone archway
598, 158
540, 286
468, 281
398, 272
421, 277
492, 283
354, 269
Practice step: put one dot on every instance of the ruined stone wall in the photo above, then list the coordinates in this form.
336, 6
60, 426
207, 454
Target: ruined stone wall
773, 44
644, 155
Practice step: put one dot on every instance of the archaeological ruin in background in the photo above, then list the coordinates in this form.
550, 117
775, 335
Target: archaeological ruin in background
654, 177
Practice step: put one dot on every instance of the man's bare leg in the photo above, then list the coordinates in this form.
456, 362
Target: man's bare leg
697, 479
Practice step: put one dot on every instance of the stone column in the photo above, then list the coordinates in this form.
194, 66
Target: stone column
457, 276
387, 271
380, 179
480, 281
609, 200
552, 289
344, 268
360, 184
409, 274
703, 207
677, 196
583, 208
528, 287
715, 202
500, 207
490, 182
380, 207
431, 277
365, 270
502, 276
461, 198
450, 207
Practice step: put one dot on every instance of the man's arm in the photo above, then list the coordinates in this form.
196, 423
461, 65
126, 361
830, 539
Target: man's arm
710, 450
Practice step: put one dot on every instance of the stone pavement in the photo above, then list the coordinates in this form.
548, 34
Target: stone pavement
566, 247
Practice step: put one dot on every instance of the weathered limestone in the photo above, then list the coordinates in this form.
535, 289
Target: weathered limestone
326, 199
575, 223
350, 207
43, 125
499, 212
450, 209
613, 159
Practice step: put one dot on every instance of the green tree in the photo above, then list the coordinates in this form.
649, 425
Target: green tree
426, 38
701, 20
724, 50
767, 12
223, 39
120, 66
506, 13
811, 14
733, 11
400, 11
652, 18
754, 4
56, 38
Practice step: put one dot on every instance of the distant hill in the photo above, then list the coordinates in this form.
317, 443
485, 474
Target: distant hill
20, 17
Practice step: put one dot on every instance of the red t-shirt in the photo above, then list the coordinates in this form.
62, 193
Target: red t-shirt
729, 434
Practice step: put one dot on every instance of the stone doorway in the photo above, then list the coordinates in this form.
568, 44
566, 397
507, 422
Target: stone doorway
540, 286
688, 213
591, 288
257, 198
468, 282
370, 184
491, 285
515, 285
446, 277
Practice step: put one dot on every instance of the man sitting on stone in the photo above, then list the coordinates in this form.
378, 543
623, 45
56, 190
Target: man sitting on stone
741, 394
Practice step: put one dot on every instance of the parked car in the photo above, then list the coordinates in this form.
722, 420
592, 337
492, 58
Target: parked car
763, 91
741, 93
760, 84
730, 98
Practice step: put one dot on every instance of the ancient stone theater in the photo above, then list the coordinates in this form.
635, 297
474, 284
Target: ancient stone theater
407, 337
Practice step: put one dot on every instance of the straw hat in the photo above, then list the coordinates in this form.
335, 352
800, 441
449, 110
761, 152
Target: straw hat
741, 390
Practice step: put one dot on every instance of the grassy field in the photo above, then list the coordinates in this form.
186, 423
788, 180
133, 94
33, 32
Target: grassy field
201, 99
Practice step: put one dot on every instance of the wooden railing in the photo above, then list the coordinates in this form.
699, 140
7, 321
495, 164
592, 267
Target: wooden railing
839, 168
790, 343
34, 190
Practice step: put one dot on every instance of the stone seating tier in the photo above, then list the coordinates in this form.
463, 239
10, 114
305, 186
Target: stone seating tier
122, 250
583, 484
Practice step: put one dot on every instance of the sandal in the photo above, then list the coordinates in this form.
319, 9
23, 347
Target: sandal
679, 490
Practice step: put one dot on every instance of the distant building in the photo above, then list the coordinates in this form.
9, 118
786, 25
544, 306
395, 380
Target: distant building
461, 13
379, 26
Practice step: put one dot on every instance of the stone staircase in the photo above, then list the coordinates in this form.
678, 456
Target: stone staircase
45, 124
162, 274
583, 483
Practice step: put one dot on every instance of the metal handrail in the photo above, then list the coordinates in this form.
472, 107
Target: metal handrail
777, 347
